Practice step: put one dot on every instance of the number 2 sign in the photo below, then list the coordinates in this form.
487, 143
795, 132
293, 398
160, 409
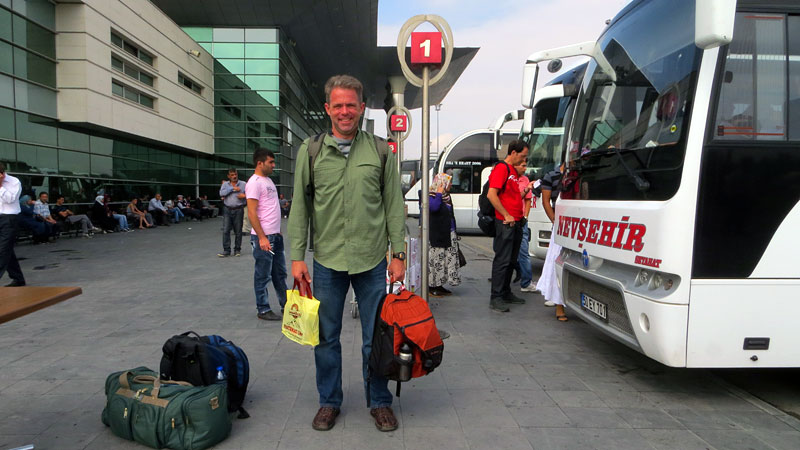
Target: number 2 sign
398, 122
426, 48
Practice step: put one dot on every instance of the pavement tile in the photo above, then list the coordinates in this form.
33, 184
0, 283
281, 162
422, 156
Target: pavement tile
481, 438
648, 418
561, 383
674, 439
580, 439
481, 408
444, 438
466, 376
704, 420
733, 440
540, 416
780, 440
525, 397
758, 420
428, 408
307, 438
595, 418
576, 399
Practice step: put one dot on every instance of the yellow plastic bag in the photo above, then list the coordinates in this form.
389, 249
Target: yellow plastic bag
301, 318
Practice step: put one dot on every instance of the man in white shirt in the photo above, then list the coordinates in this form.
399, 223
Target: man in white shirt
10, 188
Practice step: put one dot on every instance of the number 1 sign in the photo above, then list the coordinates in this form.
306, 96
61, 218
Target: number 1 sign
426, 48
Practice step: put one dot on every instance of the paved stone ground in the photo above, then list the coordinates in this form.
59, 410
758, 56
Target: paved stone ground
511, 381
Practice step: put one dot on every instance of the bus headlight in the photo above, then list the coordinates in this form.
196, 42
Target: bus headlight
656, 281
544, 234
642, 278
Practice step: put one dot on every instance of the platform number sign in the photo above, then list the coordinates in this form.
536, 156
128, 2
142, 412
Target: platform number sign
393, 146
399, 122
426, 47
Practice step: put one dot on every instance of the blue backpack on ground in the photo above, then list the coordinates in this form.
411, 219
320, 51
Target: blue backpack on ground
196, 359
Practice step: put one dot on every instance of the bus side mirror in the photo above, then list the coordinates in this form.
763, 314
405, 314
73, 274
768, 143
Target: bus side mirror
527, 122
713, 23
530, 73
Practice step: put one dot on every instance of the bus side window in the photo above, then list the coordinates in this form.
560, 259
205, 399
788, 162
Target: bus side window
462, 179
794, 77
753, 101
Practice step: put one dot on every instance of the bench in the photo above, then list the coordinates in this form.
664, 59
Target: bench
16, 302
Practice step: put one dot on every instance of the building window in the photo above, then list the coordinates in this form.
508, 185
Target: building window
131, 48
189, 84
121, 90
131, 71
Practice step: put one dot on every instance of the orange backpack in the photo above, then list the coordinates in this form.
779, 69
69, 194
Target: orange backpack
404, 318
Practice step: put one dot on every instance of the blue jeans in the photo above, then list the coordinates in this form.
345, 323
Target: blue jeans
269, 267
524, 259
178, 214
330, 288
232, 221
122, 221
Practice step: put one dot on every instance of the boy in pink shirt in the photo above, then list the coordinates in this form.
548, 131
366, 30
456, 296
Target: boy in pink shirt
524, 258
264, 212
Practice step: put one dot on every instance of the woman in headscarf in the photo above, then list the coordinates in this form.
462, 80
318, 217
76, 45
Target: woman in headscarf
443, 259
40, 229
103, 216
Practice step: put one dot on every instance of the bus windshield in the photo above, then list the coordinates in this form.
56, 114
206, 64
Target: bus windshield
629, 136
545, 143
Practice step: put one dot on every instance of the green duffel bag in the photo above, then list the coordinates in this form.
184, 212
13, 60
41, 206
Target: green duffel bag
171, 414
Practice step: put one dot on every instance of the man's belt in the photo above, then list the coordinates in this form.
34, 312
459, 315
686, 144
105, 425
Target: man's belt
234, 208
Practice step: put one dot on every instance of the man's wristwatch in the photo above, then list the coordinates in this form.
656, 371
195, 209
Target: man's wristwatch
399, 255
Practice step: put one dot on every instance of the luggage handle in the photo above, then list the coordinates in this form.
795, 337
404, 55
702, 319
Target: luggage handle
149, 379
191, 332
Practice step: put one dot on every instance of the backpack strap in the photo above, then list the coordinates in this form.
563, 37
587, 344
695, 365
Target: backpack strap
382, 146
315, 146
508, 172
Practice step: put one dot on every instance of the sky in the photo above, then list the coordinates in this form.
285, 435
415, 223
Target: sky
506, 32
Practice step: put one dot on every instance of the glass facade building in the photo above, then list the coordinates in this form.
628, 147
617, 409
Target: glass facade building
262, 98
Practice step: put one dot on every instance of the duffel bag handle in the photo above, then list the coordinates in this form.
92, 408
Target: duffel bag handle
123, 379
191, 332
149, 379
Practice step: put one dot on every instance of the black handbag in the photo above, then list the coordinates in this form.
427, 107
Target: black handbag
462, 261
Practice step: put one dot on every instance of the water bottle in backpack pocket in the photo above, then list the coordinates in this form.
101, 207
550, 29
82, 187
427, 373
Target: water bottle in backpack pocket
405, 342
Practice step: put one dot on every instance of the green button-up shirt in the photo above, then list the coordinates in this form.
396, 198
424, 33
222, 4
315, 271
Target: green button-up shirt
354, 217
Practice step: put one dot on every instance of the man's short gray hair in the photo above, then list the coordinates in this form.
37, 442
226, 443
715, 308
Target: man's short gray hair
343, 82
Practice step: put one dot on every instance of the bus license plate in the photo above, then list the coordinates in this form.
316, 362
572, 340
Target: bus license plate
599, 309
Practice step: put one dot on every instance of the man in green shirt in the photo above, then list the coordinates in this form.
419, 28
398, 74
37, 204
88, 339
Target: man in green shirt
356, 206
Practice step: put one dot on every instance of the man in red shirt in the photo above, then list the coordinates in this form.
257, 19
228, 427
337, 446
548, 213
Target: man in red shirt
504, 193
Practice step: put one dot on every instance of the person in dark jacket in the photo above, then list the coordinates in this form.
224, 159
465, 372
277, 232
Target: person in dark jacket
102, 215
443, 260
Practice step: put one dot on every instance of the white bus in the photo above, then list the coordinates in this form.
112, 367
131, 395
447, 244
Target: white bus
470, 157
466, 158
543, 130
681, 206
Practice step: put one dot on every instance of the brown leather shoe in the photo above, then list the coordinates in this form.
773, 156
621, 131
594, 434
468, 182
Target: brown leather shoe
325, 418
384, 418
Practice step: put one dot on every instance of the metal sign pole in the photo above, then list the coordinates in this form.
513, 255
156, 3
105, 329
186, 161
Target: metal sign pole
425, 157
399, 150
421, 55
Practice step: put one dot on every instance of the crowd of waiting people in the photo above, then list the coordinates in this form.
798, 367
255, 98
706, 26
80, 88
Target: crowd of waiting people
45, 221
